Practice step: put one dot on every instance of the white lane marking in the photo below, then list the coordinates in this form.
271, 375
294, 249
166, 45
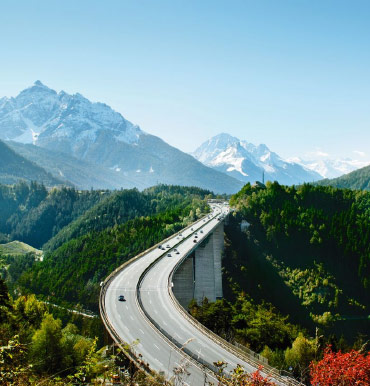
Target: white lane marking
176, 334
158, 362
156, 347
156, 312
150, 302
131, 317
126, 307
165, 323
141, 331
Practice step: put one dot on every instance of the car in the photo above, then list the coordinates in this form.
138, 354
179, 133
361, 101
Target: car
195, 236
177, 252
201, 231
121, 298
192, 229
194, 241
169, 254
174, 249
159, 246
180, 234
168, 246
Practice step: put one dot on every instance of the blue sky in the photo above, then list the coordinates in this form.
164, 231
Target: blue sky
292, 74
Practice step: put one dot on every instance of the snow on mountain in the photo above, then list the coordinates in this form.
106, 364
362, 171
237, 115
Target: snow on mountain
39, 112
248, 162
101, 138
330, 168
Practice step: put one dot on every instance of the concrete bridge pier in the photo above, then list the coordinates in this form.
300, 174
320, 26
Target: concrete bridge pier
200, 275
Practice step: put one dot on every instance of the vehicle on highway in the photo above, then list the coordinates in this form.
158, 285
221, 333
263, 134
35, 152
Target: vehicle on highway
192, 229
195, 236
194, 241
169, 254
168, 246
201, 231
121, 298
177, 252
159, 246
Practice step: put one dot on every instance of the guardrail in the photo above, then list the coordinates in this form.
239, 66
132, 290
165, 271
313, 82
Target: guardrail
247, 355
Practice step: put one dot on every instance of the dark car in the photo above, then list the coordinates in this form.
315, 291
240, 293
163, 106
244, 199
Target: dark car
194, 241
121, 298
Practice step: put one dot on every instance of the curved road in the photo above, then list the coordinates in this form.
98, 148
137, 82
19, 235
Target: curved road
153, 325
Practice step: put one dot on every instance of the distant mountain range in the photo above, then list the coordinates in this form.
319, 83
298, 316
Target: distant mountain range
61, 138
247, 162
79, 138
329, 168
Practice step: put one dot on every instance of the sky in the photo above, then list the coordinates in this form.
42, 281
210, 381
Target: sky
293, 74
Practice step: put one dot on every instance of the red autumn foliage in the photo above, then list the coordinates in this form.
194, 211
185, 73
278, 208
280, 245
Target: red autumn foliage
345, 369
257, 379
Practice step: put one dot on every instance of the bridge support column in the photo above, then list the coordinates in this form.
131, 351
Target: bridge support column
183, 280
207, 263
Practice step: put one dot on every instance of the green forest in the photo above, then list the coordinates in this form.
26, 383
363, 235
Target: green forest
296, 273
86, 234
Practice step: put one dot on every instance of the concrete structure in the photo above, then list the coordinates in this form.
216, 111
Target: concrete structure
183, 280
200, 276
153, 330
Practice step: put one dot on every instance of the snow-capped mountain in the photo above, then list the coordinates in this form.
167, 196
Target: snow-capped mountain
39, 115
330, 168
248, 162
98, 135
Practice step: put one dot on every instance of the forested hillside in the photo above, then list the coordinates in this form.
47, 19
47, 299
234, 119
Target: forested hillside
14, 168
307, 249
101, 237
296, 274
32, 214
124, 205
358, 179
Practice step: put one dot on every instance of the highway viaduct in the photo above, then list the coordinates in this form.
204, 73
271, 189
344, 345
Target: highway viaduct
153, 327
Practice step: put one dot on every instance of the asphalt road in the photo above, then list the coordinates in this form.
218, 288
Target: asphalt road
161, 351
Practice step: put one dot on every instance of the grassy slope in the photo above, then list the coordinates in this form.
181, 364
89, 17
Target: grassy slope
18, 248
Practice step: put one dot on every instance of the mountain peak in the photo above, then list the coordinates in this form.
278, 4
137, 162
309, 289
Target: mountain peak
246, 161
40, 115
39, 83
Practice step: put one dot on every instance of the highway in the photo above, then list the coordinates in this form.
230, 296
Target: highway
151, 321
